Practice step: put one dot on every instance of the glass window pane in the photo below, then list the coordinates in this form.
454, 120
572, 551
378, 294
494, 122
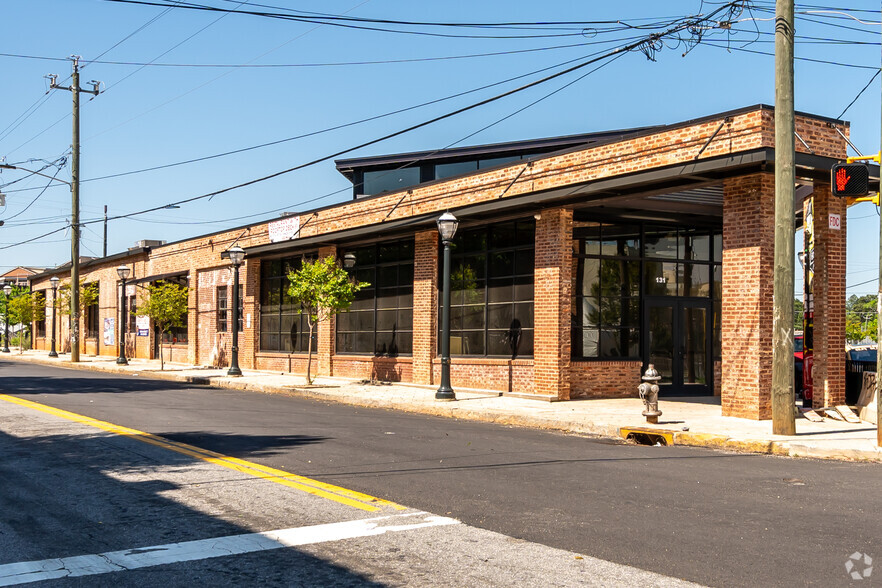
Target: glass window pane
502, 235
405, 342
472, 242
590, 283
590, 339
695, 247
525, 262
661, 243
694, 279
493, 162
344, 342
445, 170
523, 288
661, 279
405, 320
500, 316
405, 275
621, 241
499, 290
501, 264
389, 180
473, 317
587, 311
718, 282
387, 320
524, 314
718, 247
388, 298
526, 344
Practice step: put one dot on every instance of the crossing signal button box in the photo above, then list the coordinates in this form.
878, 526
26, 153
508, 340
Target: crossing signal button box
850, 179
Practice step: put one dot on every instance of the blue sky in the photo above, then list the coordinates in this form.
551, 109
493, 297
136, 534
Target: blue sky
157, 115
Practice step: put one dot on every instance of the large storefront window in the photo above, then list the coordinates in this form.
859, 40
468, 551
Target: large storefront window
282, 325
606, 306
93, 313
618, 267
380, 320
491, 290
40, 324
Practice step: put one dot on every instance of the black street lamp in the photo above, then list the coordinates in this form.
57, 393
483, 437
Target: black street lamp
7, 289
54, 280
237, 255
447, 224
123, 272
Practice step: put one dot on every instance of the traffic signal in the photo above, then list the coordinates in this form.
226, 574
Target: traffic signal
850, 179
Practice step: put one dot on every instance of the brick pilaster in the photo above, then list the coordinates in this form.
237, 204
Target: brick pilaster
327, 330
425, 305
552, 302
829, 299
748, 256
251, 308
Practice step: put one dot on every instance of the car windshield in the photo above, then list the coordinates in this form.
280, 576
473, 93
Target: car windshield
862, 355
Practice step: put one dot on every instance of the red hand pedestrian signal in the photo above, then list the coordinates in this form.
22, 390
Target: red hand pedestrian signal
842, 178
850, 179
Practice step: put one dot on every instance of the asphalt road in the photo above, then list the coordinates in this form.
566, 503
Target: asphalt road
710, 517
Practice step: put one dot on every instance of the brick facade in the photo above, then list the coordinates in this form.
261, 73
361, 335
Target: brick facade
829, 300
748, 237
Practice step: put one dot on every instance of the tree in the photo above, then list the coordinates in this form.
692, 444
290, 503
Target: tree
798, 314
88, 297
24, 309
860, 317
166, 305
323, 289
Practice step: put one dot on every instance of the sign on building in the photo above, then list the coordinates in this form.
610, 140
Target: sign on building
285, 229
142, 323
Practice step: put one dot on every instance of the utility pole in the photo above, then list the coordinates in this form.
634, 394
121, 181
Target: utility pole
105, 231
879, 324
75, 90
783, 408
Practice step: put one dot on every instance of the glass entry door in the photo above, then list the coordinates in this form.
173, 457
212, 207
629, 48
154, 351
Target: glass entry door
678, 343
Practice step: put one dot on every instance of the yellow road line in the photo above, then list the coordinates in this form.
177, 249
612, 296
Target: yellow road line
321, 489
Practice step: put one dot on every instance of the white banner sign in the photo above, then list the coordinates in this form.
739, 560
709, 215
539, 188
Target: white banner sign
284, 230
142, 323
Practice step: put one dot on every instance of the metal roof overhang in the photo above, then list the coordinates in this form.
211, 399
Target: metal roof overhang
612, 196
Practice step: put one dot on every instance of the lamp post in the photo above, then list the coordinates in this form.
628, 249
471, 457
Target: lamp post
447, 224
54, 280
7, 290
123, 273
237, 255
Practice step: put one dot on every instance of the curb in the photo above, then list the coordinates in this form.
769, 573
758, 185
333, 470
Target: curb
452, 410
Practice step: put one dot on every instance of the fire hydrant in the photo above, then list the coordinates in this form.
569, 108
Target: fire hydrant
649, 394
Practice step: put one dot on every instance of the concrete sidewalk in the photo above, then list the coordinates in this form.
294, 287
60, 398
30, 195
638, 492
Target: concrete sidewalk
694, 421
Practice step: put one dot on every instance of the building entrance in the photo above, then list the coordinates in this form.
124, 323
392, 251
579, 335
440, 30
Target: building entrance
678, 343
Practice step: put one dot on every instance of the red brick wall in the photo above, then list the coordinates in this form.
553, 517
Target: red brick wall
552, 303
384, 369
502, 375
748, 255
829, 300
604, 379
425, 305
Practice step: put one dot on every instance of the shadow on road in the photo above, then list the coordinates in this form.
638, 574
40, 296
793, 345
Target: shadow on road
69, 495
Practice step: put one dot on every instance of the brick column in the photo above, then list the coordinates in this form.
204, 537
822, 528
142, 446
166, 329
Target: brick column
425, 305
829, 299
552, 285
748, 256
327, 330
193, 317
249, 341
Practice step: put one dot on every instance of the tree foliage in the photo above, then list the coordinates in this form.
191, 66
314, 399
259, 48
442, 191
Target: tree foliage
166, 305
861, 318
24, 308
323, 289
88, 297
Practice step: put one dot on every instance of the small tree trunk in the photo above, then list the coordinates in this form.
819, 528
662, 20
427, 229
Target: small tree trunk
161, 357
309, 354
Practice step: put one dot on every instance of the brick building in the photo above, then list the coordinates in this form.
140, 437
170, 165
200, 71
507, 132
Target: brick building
578, 260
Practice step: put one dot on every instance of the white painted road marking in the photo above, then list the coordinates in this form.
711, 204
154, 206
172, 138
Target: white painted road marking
157, 555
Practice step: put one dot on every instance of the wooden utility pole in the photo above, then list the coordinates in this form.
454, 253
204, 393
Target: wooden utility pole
783, 402
879, 324
75, 90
